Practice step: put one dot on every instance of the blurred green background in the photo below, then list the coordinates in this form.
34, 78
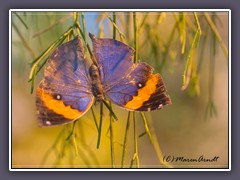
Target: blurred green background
182, 129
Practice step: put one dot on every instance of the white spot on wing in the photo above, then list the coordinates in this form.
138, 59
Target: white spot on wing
48, 123
58, 97
160, 106
139, 85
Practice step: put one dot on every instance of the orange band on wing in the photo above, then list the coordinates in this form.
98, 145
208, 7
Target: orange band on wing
144, 93
58, 106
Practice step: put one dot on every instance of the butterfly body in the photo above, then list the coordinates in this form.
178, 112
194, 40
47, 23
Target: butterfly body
97, 88
70, 84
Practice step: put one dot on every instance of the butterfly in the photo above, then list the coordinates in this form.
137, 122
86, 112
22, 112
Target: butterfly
70, 84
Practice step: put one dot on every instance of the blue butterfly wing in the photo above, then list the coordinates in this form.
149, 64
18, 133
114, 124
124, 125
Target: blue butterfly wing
127, 84
114, 58
65, 92
140, 90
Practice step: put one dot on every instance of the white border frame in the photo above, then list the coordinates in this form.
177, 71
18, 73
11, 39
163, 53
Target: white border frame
119, 10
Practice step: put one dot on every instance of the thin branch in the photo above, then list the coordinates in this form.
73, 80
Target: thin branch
84, 32
135, 28
156, 144
114, 27
184, 84
62, 20
100, 125
22, 21
111, 140
110, 109
53, 147
146, 126
122, 37
216, 33
125, 139
94, 118
25, 43
135, 155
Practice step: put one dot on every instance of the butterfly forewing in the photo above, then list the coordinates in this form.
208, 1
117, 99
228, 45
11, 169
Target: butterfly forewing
65, 92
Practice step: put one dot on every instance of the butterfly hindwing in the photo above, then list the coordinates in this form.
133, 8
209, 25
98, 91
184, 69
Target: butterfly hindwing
65, 93
140, 90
